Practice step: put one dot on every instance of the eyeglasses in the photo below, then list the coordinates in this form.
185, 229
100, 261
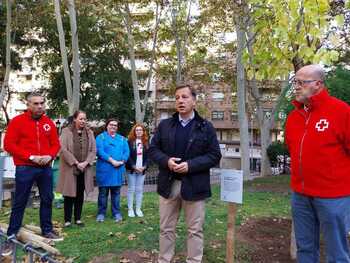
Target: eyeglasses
300, 82
39, 103
113, 125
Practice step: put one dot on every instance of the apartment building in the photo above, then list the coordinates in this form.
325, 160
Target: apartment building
21, 82
218, 103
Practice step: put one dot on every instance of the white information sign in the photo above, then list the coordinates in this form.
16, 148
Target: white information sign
231, 185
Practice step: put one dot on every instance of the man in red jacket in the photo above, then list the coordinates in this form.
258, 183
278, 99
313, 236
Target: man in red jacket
32, 140
318, 138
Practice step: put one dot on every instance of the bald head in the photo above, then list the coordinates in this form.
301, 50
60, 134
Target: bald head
308, 81
314, 71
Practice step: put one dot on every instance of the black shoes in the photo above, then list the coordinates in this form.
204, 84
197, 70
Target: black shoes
53, 236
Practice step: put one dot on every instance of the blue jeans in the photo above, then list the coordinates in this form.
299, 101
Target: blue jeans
332, 217
135, 186
25, 177
102, 201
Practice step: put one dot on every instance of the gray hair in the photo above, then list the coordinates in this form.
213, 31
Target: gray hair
319, 72
33, 94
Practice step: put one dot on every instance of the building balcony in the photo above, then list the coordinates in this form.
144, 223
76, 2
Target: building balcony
162, 105
225, 124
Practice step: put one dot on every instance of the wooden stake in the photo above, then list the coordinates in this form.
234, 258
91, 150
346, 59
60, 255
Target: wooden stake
37, 241
293, 244
230, 238
35, 229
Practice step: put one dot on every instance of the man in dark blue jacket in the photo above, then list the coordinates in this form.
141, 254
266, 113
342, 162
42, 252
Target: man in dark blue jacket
185, 147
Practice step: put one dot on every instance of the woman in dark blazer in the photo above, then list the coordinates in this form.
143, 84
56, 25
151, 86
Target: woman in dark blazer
137, 165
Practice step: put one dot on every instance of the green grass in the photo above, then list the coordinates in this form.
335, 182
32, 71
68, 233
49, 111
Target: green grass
282, 181
98, 239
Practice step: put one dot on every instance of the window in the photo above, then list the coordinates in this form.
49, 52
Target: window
164, 115
267, 113
30, 62
218, 96
234, 116
217, 115
201, 96
216, 77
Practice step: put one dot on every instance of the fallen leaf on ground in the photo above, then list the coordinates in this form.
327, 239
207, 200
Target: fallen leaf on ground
131, 237
118, 234
144, 254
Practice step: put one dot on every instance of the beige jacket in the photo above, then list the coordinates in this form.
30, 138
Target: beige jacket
67, 183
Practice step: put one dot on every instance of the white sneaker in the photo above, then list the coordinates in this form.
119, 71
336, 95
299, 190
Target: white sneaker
131, 213
139, 212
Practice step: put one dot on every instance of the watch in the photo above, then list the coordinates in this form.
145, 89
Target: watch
31, 157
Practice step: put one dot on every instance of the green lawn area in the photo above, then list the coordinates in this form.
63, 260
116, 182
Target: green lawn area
98, 239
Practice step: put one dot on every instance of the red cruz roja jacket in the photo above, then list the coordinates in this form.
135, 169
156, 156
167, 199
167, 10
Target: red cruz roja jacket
319, 143
26, 136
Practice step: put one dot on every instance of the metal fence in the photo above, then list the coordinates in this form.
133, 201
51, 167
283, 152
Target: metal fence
27, 248
151, 176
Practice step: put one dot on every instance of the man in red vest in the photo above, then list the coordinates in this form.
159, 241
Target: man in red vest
32, 140
318, 138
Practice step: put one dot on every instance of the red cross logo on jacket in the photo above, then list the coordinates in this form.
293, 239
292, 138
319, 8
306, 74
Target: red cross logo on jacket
321, 125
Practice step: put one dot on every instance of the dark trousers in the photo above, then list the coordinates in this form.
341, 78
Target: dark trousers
25, 177
76, 202
103, 192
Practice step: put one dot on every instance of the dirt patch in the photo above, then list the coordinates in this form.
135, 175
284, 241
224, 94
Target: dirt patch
268, 240
132, 256
110, 257
256, 187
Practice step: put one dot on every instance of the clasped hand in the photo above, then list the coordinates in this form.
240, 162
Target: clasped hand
177, 168
115, 163
41, 159
81, 166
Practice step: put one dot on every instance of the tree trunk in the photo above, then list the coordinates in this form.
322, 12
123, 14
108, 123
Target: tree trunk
150, 71
63, 50
179, 51
7, 117
131, 49
5, 84
180, 44
265, 142
75, 52
5, 106
140, 110
241, 96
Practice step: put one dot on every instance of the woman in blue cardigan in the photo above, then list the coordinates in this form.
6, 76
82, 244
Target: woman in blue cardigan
112, 154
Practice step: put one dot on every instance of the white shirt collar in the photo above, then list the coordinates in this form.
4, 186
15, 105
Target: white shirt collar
184, 122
